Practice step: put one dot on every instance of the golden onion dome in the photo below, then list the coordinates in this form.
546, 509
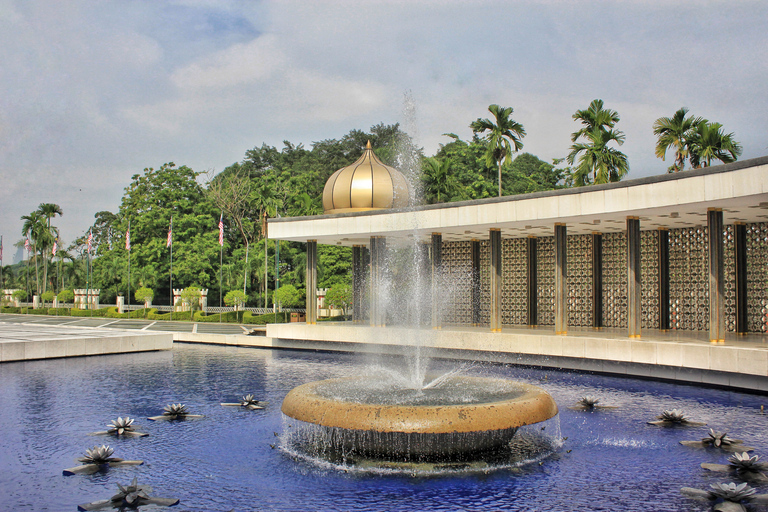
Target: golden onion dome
367, 184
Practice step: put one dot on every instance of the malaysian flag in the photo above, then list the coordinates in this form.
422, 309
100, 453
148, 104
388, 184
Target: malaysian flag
221, 230
55, 246
90, 241
128, 239
1, 250
26, 244
170, 234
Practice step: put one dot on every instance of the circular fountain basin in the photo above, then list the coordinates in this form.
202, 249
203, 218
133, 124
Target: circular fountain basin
460, 419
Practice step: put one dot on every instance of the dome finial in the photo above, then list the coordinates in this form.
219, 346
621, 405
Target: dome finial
368, 146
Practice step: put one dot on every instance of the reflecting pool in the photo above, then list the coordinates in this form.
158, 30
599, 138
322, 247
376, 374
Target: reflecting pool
232, 458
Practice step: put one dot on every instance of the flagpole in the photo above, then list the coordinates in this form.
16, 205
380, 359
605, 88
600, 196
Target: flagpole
128, 243
170, 243
221, 259
2, 282
87, 277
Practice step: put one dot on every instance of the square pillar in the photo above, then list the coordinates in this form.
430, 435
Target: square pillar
597, 280
378, 256
561, 279
437, 261
740, 260
495, 236
475, 256
311, 316
663, 259
357, 283
532, 282
716, 275
634, 286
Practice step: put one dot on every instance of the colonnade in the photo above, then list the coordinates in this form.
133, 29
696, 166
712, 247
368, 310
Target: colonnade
378, 248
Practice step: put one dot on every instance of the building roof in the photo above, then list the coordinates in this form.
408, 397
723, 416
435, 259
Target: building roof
670, 201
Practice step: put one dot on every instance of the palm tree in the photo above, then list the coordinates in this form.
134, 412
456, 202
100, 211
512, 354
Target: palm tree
305, 206
595, 116
675, 132
438, 182
708, 142
503, 137
604, 163
48, 210
34, 228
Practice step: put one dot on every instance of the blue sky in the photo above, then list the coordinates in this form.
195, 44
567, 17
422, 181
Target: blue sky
91, 93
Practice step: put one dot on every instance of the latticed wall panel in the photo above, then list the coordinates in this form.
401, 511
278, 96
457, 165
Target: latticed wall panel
485, 282
545, 275
757, 277
514, 284
649, 278
615, 280
457, 277
688, 279
729, 243
579, 269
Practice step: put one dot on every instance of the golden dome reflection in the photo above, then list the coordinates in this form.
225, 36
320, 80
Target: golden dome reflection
367, 184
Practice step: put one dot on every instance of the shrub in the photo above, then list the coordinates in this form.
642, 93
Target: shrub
20, 295
270, 318
143, 294
11, 309
66, 296
89, 312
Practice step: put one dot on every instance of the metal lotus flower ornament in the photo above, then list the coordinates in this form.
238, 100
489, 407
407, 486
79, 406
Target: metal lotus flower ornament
175, 412
130, 496
121, 427
731, 497
719, 440
249, 402
742, 466
98, 458
589, 403
673, 418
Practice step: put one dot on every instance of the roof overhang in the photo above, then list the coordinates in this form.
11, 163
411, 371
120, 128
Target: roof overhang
669, 201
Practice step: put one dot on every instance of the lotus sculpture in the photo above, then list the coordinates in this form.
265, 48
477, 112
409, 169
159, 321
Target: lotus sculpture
743, 466
674, 418
719, 440
130, 496
249, 402
730, 497
175, 412
121, 427
98, 458
589, 403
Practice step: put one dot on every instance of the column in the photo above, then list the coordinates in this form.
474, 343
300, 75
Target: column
495, 280
597, 280
475, 255
311, 316
437, 261
663, 279
533, 282
716, 275
740, 260
378, 255
634, 305
357, 282
561, 282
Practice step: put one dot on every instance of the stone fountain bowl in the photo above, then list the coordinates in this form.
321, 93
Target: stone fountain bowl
462, 419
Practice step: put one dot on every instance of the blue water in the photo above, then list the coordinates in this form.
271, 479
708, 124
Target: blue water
612, 460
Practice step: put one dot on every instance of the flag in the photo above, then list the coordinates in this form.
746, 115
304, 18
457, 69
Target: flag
128, 239
170, 234
90, 241
26, 244
55, 246
1, 250
221, 230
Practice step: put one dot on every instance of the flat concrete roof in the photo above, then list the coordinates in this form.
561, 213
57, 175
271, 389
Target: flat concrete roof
675, 200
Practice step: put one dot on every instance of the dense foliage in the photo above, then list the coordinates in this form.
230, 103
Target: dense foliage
289, 181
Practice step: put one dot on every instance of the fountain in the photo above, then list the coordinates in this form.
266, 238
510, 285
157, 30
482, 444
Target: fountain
401, 415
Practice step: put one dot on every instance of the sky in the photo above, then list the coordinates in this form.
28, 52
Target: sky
91, 93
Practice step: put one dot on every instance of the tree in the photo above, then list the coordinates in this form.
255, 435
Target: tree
503, 137
190, 297
675, 132
340, 297
48, 210
439, 184
144, 295
604, 164
47, 296
66, 296
708, 142
288, 296
34, 228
